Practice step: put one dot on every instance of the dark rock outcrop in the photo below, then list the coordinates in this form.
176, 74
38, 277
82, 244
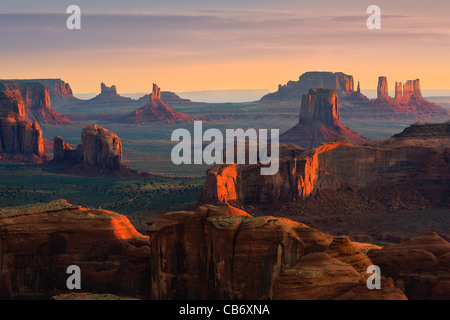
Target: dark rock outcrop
20, 139
319, 121
39, 243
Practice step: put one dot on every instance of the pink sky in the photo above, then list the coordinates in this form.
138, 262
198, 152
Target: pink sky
227, 48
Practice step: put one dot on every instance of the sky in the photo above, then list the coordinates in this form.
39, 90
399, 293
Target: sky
197, 45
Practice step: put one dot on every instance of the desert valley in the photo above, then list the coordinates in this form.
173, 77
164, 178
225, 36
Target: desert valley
91, 183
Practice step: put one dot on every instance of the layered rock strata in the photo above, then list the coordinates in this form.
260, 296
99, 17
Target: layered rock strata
39, 243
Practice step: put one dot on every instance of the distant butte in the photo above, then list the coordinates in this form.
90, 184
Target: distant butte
99, 154
157, 110
408, 102
319, 121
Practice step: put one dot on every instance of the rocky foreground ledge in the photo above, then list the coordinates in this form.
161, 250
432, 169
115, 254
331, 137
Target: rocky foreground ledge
216, 252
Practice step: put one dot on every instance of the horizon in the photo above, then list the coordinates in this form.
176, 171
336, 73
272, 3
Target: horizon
199, 45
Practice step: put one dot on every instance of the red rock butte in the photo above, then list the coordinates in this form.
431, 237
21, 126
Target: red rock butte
319, 121
100, 153
158, 110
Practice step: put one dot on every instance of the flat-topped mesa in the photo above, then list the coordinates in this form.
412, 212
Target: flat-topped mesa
20, 139
338, 81
342, 83
108, 90
320, 105
382, 89
156, 93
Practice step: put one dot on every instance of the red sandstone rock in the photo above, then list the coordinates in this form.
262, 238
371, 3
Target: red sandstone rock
20, 139
224, 253
333, 166
31, 100
342, 83
382, 89
407, 104
157, 110
420, 266
398, 91
100, 153
40, 242
319, 121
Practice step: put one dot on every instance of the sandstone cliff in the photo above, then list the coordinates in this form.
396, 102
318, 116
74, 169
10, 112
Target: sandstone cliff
157, 110
100, 153
20, 139
420, 267
319, 121
341, 187
31, 100
38, 243
224, 253
60, 92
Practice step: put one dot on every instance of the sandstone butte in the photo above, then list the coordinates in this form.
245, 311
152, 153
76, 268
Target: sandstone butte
408, 102
100, 153
319, 121
39, 242
221, 252
31, 100
20, 139
108, 95
157, 110
417, 159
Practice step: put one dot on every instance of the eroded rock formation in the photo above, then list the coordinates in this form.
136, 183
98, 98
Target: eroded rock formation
419, 156
342, 83
420, 267
157, 110
319, 121
224, 253
20, 139
39, 243
341, 186
382, 89
407, 103
99, 153
31, 100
